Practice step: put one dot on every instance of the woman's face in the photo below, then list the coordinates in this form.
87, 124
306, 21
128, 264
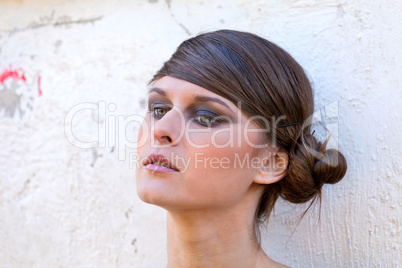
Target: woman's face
196, 149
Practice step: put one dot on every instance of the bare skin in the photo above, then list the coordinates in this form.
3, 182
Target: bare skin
211, 209
216, 239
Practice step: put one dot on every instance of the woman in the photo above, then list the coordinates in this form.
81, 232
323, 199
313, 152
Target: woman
227, 132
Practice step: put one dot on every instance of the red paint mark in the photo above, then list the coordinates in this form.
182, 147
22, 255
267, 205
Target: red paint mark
15, 74
39, 90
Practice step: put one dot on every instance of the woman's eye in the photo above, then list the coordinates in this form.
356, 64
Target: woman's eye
204, 119
159, 112
207, 119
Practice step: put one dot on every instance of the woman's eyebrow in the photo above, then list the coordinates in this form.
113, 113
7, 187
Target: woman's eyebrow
211, 99
196, 98
158, 91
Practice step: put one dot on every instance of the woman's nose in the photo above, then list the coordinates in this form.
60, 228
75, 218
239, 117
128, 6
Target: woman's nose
168, 130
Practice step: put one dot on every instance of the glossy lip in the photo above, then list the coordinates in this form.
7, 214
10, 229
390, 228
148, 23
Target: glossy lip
149, 164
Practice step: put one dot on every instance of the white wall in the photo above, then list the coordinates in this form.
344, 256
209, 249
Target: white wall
63, 206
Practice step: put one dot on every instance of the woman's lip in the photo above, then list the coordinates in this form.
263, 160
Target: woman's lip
150, 164
156, 168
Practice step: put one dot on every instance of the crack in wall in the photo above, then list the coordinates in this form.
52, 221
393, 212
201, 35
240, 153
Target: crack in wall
95, 156
51, 20
168, 2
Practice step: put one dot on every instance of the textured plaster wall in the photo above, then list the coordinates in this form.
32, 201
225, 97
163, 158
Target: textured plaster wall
64, 206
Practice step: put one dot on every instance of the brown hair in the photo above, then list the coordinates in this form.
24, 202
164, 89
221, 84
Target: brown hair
245, 68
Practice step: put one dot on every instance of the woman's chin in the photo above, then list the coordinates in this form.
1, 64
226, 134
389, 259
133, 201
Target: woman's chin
157, 198
149, 196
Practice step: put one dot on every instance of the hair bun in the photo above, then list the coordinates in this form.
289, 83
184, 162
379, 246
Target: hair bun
310, 166
330, 167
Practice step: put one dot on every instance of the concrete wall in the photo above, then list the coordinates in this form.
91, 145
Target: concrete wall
65, 206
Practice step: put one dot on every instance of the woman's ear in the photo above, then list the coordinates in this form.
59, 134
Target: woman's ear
273, 167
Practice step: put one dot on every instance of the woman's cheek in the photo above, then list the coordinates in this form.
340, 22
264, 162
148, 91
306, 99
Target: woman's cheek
224, 138
198, 138
144, 133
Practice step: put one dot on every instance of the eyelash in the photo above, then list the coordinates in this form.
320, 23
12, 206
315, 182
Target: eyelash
155, 109
213, 118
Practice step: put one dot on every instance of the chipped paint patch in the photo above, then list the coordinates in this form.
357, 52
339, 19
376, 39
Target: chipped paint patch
16, 95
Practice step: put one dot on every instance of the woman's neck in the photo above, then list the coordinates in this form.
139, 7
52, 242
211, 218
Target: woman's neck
213, 239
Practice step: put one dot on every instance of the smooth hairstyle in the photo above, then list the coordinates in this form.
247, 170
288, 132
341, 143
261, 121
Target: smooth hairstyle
252, 71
